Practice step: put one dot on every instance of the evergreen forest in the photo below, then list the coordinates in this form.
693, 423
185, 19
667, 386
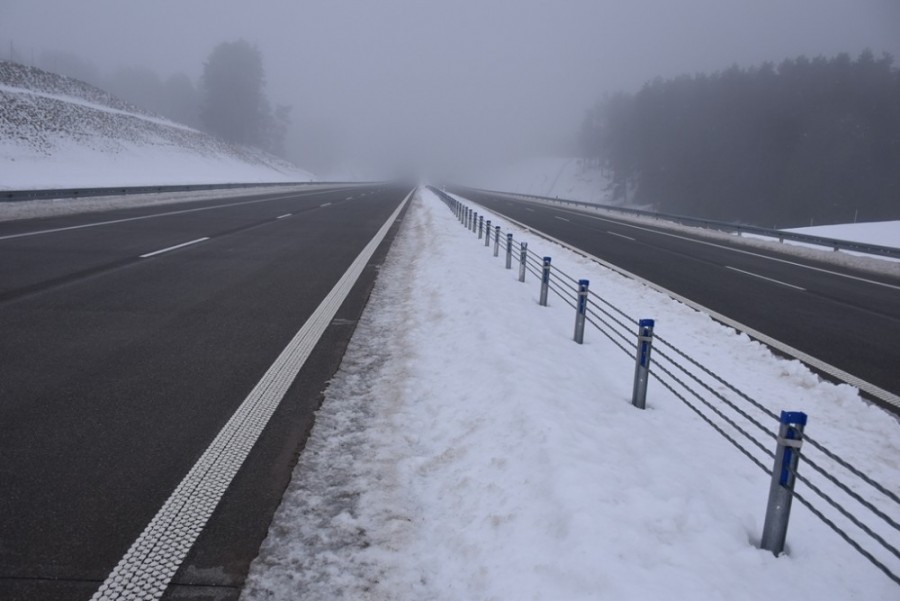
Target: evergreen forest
809, 141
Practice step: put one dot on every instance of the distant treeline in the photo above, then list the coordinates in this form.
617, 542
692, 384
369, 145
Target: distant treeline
807, 141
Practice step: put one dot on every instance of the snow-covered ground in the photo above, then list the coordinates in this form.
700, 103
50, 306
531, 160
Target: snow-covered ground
71, 165
567, 178
883, 233
468, 449
56, 132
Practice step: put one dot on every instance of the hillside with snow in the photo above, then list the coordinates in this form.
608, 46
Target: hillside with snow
60, 132
553, 177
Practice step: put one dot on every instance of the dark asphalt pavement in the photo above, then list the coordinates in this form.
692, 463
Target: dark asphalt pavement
116, 371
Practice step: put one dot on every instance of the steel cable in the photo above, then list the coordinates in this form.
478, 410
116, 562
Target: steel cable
614, 308
851, 469
715, 410
606, 332
661, 353
850, 492
624, 326
708, 372
847, 538
716, 427
843, 511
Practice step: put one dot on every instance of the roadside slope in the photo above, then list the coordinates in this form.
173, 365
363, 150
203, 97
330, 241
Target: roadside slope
60, 132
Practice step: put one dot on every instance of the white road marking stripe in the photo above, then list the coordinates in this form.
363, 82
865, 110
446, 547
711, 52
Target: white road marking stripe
328, 204
762, 277
153, 216
562, 219
177, 246
621, 236
531, 210
285, 216
744, 252
153, 559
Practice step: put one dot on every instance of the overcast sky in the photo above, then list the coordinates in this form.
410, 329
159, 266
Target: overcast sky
470, 78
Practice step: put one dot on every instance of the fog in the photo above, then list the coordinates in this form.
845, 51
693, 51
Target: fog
445, 86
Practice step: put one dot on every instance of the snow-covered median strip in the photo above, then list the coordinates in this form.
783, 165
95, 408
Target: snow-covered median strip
468, 449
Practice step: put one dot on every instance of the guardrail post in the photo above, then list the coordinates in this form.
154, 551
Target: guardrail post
471, 220
581, 310
545, 281
781, 490
523, 258
642, 363
480, 226
497, 241
487, 233
509, 251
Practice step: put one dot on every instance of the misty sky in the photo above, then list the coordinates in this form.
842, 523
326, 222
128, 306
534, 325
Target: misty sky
466, 78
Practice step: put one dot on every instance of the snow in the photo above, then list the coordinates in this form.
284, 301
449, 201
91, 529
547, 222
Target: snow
72, 165
882, 233
56, 132
554, 177
468, 449
91, 105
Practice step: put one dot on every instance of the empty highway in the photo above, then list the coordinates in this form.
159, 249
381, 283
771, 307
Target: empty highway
131, 339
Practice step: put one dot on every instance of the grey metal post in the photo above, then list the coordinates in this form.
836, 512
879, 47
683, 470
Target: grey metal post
509, 251
487, 233
581, 310
642, 363
545, 281
497, 241
781, 490
472, 220
480, 226
523, 258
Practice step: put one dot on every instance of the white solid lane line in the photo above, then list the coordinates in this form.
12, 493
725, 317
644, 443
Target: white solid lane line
153, 559
622, 236
562, 219
285, 216
737, 250
177, 246
762, 277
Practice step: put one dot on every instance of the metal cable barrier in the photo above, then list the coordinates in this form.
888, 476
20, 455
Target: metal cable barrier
860, 510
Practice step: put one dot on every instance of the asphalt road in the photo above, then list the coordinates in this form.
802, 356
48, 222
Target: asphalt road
844, 317
128, 340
